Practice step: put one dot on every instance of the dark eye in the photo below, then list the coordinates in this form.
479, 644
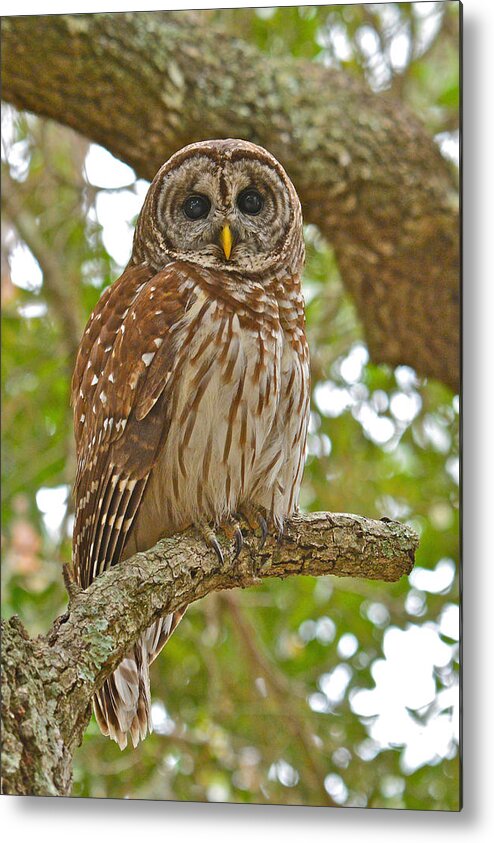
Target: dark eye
196, 207
250, 201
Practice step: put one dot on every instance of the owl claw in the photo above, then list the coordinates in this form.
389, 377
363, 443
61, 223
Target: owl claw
232, 530
256, 521
208, 534
264, 530
239, 542
217, 549
230, 527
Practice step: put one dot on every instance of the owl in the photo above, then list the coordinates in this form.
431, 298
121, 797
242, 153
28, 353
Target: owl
191, 385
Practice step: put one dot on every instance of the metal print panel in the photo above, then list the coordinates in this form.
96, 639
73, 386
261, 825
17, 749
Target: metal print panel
230, 304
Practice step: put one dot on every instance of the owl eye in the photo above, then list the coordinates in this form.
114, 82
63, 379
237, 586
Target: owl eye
250, 201
196, 207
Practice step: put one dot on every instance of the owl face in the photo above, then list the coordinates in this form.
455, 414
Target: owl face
225, 204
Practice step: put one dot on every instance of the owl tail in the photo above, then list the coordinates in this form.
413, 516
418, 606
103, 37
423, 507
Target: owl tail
123, 704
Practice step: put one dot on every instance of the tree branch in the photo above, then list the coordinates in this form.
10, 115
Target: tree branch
367, 172
48, 683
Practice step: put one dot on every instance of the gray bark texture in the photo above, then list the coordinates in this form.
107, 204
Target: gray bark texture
368, 173
48, 682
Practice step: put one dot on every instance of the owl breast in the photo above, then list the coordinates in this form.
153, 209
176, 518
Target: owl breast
237, 419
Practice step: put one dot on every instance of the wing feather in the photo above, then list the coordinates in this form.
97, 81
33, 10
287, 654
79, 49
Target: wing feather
121, 410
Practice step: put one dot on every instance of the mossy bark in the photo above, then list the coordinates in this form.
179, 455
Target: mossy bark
48, 682
368, 174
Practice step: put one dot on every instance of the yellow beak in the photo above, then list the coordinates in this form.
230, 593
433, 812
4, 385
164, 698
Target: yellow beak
226, 241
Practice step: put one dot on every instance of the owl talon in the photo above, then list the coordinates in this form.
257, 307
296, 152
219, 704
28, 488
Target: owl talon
217, 549
264, 530
208, 534
231, 529
239, 542
256, 521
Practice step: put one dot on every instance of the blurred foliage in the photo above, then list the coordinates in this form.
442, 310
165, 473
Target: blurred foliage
304, 691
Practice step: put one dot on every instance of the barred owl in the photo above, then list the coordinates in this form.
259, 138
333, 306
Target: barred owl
191, 386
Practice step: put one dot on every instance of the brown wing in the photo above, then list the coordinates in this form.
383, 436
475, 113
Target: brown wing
120, 409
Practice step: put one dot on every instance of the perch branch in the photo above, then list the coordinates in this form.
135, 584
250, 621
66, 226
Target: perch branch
48, 682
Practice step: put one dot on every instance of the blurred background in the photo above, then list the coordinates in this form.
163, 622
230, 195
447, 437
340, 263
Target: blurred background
316, 692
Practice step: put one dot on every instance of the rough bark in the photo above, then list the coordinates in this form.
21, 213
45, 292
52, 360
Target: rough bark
367, 172
48, 683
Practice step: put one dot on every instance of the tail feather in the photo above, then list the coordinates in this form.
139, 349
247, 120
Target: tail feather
123, 704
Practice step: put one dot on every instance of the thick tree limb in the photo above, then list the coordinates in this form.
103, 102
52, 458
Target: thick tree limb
48, 683
367, 172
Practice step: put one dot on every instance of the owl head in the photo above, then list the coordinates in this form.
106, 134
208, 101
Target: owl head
222, 204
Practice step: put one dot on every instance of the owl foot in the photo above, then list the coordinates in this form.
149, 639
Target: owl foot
256, 521
207, 533
230, 528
